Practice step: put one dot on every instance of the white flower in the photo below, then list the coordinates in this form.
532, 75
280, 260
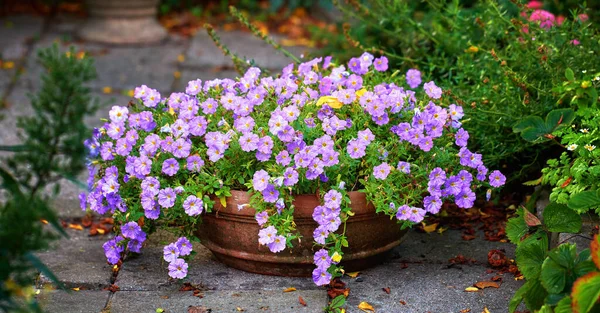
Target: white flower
590, 147
584, 130
118, 114
584, 71
572, 147
165, 129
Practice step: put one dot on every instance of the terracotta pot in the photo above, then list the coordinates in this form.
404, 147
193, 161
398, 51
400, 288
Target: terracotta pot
232, 236
122, 22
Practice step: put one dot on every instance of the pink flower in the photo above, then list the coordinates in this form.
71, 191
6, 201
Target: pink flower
545, 18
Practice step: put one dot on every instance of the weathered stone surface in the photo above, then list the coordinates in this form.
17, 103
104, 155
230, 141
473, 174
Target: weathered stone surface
204, 53
428, 288
148, 271
15, 31
219, 301
83, 301
439, 248
78, 261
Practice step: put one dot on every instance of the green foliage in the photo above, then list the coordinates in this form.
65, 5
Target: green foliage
557, 279
336, 305
480, 50
535, 129
52, 147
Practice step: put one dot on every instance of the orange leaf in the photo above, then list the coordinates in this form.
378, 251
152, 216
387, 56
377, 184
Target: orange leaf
366, 307
567, 182
387, 290
465, 311
301, 300
595, 247
402, 302
486, 284
290, 289
76, 226
530, 219
353, 274
430, 228
485, 310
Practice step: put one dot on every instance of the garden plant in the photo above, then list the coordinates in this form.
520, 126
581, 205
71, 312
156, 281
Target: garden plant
319, 128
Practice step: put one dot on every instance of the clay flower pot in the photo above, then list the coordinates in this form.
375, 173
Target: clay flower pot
232, 236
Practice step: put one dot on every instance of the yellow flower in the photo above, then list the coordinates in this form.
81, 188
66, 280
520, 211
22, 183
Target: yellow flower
330, 101
472, 49
336, 257
361, 92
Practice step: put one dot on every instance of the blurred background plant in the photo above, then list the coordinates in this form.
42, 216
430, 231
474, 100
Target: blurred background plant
499, 59
51, 149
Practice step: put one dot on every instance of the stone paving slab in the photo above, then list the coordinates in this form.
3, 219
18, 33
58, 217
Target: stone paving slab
439, 248
83, 301
428, 288
15, 31
219, 301
148, 271
78, 261
204, 53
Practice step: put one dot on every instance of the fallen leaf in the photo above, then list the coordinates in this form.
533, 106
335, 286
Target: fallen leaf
497, 278
160, 310
164, 297
430, 228
366, 307
301, 300
402, 302
386, 289
107, 90
404, 265
465, 311
290, 289
442, 229
86, 221
468, 237
486, 284
75, 226
112, 288
44, 222
471, 289
75, 289
177, 74
181, 58
520, 277
485, 310
8, 65
239, 309
497, 258
197, 309
353, 274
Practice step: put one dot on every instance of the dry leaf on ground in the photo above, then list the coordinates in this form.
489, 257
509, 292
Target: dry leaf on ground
353, 274
486, 284
301, 300
366, 307
289, 289
471, 289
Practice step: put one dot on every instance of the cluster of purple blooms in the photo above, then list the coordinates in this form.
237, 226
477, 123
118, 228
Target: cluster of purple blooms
173, 252
154, 150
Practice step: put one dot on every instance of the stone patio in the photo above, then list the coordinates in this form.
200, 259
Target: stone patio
418, 273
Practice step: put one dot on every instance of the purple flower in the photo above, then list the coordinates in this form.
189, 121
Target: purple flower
270, 194
178, 269
403, 167
131, 230
184, 246
482, 172
381, 64
249, 142
417, 215
437, 177
260, 180
151, 184
462, 136
456, 112
106, 151
322, 259
321, 277
278, 244
465, 198
166, 197
403, 213
194, 163
261, 218
497, 179
290, 177
112, 250
320, 234
333, 199
182, 147
193, 206
356, 149
267, 235
413, 78
83, 201
194, 87
171, 252
432, 90
170, 167
332, 222
432, 204
382, 171
453, 186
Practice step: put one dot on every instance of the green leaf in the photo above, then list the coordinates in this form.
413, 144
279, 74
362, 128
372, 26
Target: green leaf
553, 276
531, 254
553, 299
584, 267
559, 218
559, 118
545, 309
337, 302
518, 298
585, 200
528, 122
563, 306
535, 295
516, 227
586, 291
569, 74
